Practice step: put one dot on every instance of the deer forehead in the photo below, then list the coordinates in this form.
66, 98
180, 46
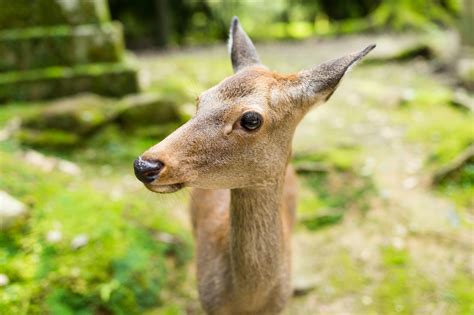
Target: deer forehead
248, 88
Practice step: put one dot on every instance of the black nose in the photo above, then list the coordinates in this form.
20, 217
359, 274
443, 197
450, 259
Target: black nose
147, 171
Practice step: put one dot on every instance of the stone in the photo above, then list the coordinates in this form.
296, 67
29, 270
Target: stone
12, 211
78, 115
50, 163
69, 121
79, 241
108, 79
465, 72
55, 48
147, 109
4, 280
27, 13
60, 46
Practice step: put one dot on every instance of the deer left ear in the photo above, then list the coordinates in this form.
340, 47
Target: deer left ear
319, 83
241, 49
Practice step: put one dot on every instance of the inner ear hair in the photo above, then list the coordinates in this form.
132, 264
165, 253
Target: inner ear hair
241, 49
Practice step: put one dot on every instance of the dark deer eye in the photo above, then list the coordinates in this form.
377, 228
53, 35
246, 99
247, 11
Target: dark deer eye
251, 121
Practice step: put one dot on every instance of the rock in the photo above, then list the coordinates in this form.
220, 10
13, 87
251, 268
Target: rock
147, 110
17, 14
54, 48
79, 115
11, 210
10, 128
465, 72
54, 236
4, 280
410, 183
110, 79
79, 241
69, 121
48, 163
60, 46
47, 138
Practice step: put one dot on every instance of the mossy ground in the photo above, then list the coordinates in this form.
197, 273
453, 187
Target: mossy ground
372, 238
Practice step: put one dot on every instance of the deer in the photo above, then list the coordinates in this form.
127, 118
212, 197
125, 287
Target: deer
235, 155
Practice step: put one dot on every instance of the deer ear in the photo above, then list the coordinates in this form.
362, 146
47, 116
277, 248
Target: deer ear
319, 83
241, 49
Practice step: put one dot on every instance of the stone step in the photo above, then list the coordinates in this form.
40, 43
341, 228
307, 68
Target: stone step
110, 79
40, 47
28, 13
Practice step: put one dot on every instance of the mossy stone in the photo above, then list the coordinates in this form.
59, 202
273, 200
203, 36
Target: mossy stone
77, 115
27, 13
110, 79
60, 46
47, 138
147, 109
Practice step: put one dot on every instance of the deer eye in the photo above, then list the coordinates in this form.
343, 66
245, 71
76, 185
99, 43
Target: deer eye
251, 121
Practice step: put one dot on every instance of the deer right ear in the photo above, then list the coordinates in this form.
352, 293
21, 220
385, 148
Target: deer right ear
241, 49
317, 84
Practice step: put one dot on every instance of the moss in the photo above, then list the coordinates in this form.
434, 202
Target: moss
432, 129
47, 138
341, 158
347, 275
79, 115
148, 110
460, 294
465, 71
460, 187
55, 82
60, 46
403, 288
122, 269
326, 197
75, 120
25, 13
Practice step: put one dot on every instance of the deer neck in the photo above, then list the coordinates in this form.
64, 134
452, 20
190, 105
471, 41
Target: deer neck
256, 239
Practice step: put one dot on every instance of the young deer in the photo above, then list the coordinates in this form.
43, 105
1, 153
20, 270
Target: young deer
235, 152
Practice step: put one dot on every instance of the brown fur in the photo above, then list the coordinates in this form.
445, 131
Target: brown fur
244, 197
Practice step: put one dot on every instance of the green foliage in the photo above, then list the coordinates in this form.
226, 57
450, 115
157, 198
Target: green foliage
190, 22
460, 294
341, 158
347, 270
414, 14
432, 129
122, 268
403, 287
328, 194
437, 135
460, 187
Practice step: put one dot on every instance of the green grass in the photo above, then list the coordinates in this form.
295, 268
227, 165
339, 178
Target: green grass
444, 131
122, 269
431, 120
337, 188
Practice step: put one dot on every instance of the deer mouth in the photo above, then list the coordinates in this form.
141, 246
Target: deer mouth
164, 189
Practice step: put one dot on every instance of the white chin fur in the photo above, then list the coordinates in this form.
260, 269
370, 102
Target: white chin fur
165, 189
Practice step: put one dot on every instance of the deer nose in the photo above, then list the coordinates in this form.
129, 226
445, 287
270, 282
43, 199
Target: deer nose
147, 171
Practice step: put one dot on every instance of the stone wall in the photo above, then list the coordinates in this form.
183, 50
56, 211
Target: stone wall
54, 48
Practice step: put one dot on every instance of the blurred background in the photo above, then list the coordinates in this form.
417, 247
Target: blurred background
386, 167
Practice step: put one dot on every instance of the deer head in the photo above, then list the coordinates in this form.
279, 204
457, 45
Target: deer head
243, 128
